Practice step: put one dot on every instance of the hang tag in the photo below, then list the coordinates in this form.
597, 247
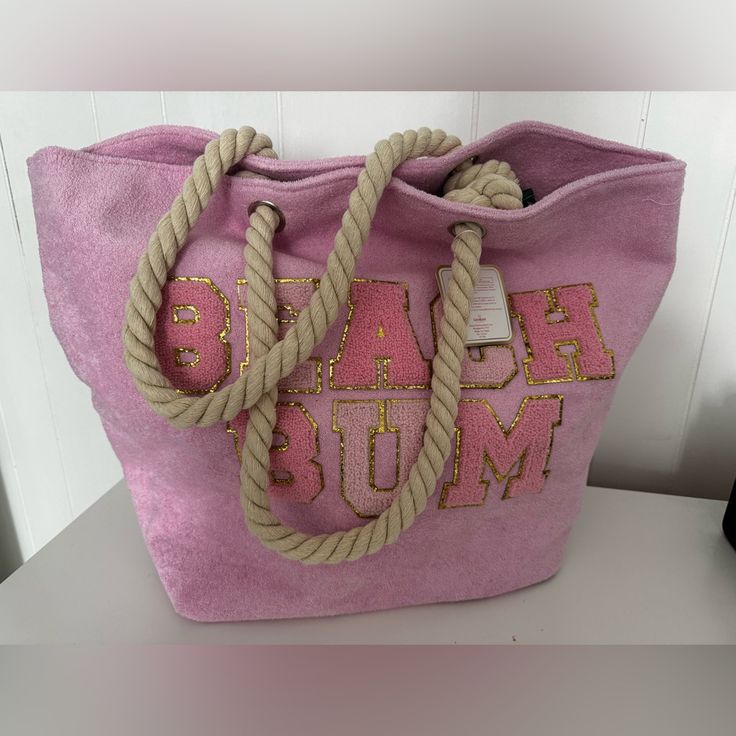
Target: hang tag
489, 322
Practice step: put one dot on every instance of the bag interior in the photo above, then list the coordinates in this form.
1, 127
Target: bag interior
544, 157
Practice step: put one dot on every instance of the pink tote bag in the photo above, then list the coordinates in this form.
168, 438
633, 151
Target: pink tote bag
468, 471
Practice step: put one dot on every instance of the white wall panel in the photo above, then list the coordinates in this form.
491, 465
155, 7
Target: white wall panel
706, 463
321, 124
640, 443
614, 115
63, 414
120, 112
220, 110
672, 426
19, 360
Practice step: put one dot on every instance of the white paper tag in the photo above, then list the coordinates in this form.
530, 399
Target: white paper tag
489, 322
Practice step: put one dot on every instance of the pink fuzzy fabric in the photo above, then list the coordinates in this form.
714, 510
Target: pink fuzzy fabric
606, 216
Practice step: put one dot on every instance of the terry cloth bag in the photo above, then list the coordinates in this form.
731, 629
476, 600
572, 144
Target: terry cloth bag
302, 427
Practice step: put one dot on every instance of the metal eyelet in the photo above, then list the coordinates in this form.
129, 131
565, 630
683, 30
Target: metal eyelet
451, 228
282, 220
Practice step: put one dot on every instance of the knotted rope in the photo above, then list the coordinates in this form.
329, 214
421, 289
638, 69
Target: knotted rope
491, 184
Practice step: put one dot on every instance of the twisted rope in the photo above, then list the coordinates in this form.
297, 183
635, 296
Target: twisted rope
492, 184
312, 323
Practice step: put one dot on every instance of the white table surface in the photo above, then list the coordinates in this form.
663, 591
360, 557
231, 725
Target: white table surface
639, 568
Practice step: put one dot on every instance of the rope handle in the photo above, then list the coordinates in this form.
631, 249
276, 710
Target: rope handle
489, 184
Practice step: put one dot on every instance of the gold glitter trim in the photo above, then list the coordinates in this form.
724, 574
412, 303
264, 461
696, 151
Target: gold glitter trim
293, 314
241, 308
383, 363
178, 352
236, 440
481, 349
555, 309
486, 458
221, 336
284, 445
383, 427
177, 320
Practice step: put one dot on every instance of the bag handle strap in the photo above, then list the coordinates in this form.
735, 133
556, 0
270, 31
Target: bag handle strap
492, 184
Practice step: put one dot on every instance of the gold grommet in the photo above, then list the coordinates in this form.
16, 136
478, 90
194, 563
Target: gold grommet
451, 228
282, 220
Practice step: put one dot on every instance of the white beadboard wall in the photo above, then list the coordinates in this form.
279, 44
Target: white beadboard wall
54, 457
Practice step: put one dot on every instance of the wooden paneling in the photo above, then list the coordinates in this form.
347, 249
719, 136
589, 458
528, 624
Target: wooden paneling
320, 124
673, 421
120, 112
219, 110
642, 438
614, 115
57, 444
